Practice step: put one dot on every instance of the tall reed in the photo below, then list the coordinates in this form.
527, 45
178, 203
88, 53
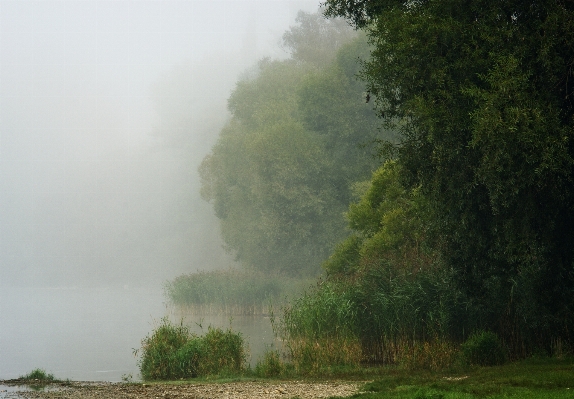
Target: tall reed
378, 316
232, 291
173, 352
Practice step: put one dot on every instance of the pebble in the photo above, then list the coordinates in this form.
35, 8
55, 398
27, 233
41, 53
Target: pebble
234, 390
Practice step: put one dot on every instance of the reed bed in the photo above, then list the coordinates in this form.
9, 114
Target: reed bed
232, 292
173, 352
380, 317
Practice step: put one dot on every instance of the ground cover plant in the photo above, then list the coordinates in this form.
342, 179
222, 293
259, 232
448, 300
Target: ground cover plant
173, 352
38, 375
532, 378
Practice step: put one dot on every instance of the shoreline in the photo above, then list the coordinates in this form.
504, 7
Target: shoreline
200, 390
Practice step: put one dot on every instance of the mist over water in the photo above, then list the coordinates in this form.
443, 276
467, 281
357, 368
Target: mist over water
106, 110
83, 334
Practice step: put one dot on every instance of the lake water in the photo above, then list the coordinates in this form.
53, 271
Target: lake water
81, 334
89, 334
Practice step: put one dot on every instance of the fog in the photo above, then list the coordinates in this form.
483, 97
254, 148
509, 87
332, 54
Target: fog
106, 110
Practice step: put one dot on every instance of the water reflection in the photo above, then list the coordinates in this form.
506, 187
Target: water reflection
10, 391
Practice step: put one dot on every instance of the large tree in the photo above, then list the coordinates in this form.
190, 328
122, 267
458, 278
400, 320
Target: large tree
279, 176
482, 92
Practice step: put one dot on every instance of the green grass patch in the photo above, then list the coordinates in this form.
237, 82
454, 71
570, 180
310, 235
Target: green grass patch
173, 352
38, 375
532, 378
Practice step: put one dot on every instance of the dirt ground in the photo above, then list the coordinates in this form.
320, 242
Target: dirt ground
232, 390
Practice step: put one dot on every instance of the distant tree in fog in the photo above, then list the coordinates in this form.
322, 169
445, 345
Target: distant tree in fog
279, 176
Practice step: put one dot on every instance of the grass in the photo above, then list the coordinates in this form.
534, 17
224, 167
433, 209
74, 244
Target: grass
38, 375
232, 291
532, 378
173, 352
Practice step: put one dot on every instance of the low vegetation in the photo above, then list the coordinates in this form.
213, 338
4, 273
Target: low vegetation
38, 375
232, 291
547, 378
173, 352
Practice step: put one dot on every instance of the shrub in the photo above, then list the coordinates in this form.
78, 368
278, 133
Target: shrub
38, 375
158, 361
270, 366
223, 352
172, 352
483, 348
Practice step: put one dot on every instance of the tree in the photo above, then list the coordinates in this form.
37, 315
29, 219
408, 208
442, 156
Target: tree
389, 224
280, 174
482, 92
316, 40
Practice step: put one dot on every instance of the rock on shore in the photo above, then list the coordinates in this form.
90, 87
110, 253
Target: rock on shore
233, 390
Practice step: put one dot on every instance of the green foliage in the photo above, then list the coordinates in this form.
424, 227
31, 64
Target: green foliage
550, 378
482, 95
280, 175
271, 365
345, 257
390, 223
483, 348
384, 316
172, 352
159, 349
317, 330
325, 312
315, 40
232, 291
38, 375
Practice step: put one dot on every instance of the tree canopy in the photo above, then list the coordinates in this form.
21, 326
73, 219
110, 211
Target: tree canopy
482, 93
281, 172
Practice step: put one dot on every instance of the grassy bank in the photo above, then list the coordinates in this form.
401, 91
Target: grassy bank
171, 352
546, 378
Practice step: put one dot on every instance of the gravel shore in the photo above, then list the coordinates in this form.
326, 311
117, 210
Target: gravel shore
233, 390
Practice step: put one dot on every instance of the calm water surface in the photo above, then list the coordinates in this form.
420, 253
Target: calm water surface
81, 334
89, 334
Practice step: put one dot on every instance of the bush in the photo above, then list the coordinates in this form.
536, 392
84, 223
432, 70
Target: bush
172, 352
483, 348
38, 375
223, 352
270, 366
